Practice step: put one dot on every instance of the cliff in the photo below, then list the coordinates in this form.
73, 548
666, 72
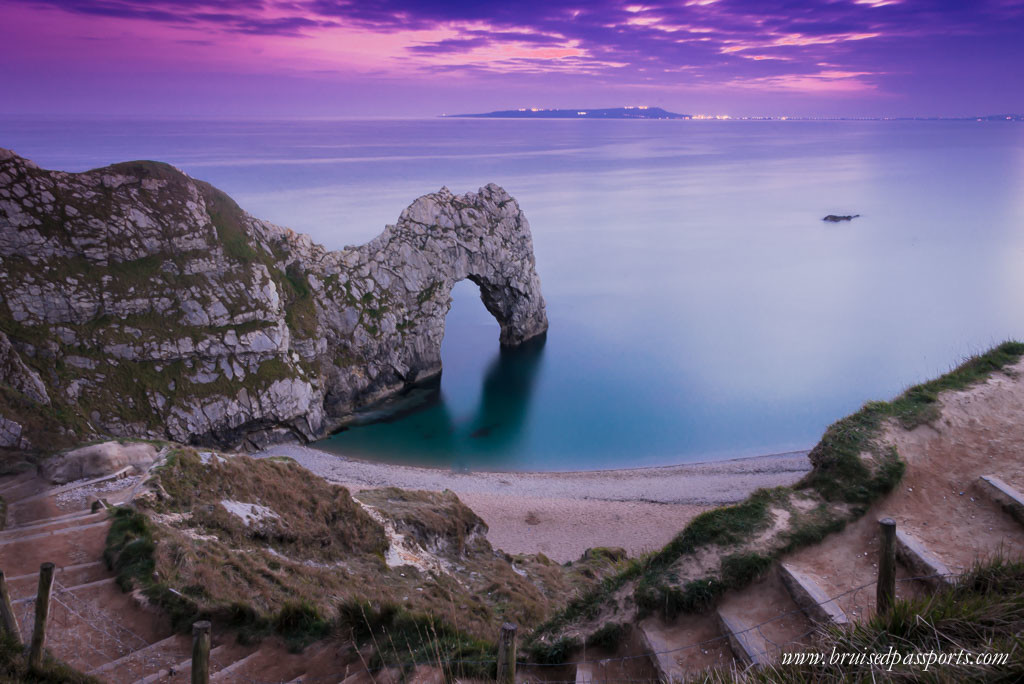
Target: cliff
136, 301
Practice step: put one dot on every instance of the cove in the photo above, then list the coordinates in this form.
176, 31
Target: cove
441, 423
699, 307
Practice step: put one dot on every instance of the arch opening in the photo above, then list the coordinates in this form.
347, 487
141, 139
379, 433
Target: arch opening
485, 391
474, 414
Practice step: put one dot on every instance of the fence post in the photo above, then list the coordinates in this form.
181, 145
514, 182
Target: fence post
8, 620
886, 589
35, 651
201, 652
507, 654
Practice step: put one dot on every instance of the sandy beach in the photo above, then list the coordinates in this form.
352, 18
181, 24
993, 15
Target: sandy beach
561, 514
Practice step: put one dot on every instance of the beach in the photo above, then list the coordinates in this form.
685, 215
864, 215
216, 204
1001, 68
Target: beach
561, 514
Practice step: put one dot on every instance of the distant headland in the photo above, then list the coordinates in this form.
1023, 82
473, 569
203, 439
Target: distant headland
645, 112
638, 112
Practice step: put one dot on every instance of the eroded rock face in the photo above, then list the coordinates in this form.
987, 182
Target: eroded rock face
136, 301
18, 376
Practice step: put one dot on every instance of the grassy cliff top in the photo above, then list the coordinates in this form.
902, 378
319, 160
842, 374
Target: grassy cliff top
263, 546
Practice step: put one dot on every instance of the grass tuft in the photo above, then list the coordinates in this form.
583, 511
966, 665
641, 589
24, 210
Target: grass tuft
609, 636
740, 569
130, 547
552, 652
406, 639
300, 623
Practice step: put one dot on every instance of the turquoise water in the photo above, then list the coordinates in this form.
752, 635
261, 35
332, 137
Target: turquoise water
699, 306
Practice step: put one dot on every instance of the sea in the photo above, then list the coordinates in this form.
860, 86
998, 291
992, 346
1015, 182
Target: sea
700, 307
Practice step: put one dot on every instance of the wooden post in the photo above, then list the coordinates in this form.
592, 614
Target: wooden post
886, 590
201, 652
8, 620
507, 654
35, 651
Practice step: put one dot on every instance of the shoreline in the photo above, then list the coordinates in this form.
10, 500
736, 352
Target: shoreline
561, 514
719, 482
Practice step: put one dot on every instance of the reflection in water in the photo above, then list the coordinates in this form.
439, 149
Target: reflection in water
508, 386
421, 426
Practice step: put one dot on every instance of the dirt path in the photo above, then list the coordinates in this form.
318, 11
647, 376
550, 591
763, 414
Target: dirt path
940, 502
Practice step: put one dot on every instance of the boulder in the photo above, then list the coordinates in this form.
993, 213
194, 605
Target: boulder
98, 460
10, 433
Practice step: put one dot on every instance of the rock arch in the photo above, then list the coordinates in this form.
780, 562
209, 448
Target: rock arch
405, 277
175, 314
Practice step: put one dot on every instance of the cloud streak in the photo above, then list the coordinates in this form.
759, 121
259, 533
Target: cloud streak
746, 45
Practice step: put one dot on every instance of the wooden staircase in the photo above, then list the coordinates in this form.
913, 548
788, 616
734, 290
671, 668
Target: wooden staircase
97, 628
780, 611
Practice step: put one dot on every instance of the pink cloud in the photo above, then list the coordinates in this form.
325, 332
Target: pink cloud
829, 81
870, 46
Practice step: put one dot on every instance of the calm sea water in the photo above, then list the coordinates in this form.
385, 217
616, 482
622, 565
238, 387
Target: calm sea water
699, 306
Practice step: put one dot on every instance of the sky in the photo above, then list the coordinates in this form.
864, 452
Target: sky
413, 58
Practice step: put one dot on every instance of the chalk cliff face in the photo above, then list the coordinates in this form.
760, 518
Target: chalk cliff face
137, 301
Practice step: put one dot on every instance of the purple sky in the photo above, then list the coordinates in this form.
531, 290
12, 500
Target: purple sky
326, 58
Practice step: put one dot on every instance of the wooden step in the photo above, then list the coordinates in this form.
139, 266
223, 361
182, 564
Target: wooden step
228, 673
44, 521
584, 673
16, 481
747, 644
123, 472
60, 572
180, 671
1011, 500
681, 649
53, 533
75, 636
163, 653
271, 662
917, 558
656, 644
73, 520
811, 597
80, 587
79, 544
15, 490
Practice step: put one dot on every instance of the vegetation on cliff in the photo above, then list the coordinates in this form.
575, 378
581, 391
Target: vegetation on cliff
263, 546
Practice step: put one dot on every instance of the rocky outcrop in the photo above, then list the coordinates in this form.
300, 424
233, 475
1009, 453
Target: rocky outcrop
10, 434
99, 460
141, 302
19, 377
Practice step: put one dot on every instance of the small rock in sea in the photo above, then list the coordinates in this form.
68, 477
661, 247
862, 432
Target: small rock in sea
834, 218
